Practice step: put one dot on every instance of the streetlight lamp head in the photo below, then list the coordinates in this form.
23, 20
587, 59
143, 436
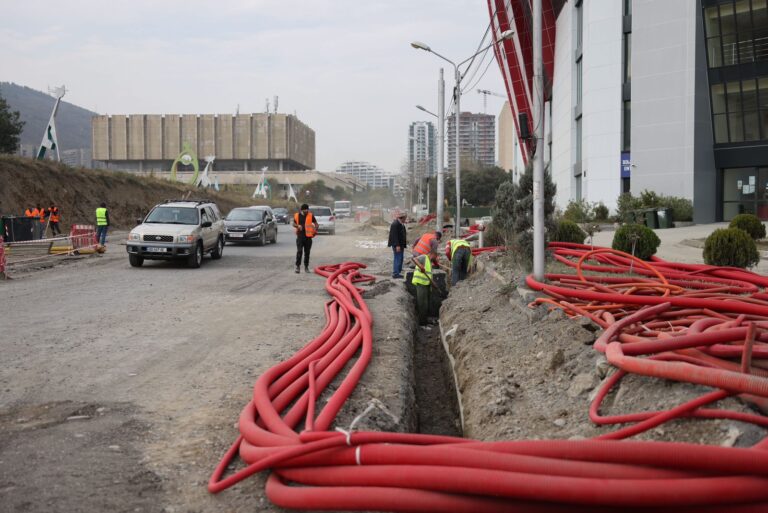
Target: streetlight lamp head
507, 34
421, 108
420, 46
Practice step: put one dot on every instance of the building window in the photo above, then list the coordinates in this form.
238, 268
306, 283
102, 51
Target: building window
745, 191
579, 26
737, 32
627, 57
578, 140
627, 135
740, 110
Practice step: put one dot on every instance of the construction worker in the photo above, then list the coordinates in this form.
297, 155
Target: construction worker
461, 259
427, 242
422, 280
102, 223
38, 215
53, 219
306, 227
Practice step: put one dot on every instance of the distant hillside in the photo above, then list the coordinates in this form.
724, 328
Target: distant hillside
73, 123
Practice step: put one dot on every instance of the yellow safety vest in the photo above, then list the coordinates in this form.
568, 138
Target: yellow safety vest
420, 278
101, 216
461, 243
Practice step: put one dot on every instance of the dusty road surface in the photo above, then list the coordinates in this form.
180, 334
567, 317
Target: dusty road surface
120, 387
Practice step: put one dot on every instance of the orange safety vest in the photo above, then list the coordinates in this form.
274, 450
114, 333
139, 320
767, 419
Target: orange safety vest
31, 212
423, 244
54, 214
309, 227
41, 215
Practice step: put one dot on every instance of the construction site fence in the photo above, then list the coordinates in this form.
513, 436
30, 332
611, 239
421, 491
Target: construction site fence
81, 240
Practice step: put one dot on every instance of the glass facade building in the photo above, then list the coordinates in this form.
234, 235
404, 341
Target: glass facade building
736, 33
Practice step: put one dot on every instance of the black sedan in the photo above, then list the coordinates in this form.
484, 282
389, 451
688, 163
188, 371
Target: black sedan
250, 224
282, 215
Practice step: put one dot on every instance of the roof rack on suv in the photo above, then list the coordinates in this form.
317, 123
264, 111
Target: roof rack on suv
197, 201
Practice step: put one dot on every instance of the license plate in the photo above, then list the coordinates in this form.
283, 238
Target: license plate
236, 235
157, 250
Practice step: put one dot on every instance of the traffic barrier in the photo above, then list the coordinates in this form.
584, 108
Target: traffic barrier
83, 236
316, 468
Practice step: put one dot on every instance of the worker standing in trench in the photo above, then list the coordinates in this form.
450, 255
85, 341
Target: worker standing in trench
422, 280
461, 259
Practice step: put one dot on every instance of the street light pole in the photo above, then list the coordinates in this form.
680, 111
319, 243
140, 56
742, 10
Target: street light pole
421, 46
538, 161
440, 150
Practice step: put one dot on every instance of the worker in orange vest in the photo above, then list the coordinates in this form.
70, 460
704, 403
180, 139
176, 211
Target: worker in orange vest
53, 219
427, 243
38, 213
306, 227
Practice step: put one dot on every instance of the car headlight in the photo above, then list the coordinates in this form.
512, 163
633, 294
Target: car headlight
254, 228
134, 236
185, 238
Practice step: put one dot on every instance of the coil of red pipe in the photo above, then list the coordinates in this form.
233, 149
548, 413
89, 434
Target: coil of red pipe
315, 468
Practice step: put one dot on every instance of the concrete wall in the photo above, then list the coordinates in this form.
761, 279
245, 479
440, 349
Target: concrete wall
206, 135
136, 137
100, 137
563, 93
224, 139
172, 137
663, 96
153, 137
601, 101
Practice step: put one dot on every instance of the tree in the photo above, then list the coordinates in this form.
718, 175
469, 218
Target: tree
314, 192
513, 212
478, 187
10, 128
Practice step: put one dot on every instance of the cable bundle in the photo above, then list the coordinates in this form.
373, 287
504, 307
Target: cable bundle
319, 469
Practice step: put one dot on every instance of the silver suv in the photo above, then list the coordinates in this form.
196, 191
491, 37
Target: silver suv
178, 229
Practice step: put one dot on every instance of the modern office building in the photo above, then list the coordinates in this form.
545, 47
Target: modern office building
477, 140
510, 153
667, 96
422, 149
160, 143
369, 174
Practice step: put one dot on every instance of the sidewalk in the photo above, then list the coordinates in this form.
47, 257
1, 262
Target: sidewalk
671, 247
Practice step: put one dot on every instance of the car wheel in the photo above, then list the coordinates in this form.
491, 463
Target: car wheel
274, 237
262, 238
219, 250
135, 260
196, 258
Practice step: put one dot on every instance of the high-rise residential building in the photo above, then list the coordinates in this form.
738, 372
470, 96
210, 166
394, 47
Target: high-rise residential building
477, 140
670, 97
422, 149
370, 174
510, 157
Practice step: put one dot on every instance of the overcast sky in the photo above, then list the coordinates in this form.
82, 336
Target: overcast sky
345, 67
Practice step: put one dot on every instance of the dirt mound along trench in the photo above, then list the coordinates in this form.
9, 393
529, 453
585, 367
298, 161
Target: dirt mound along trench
79, 191
531, 374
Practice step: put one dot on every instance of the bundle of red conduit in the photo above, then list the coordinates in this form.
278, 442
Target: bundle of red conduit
720, 342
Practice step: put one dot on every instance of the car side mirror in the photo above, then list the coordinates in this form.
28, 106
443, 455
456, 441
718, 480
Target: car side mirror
206, 224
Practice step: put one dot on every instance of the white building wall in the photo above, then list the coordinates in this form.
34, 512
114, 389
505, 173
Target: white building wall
663, 94
601, 101
563, 93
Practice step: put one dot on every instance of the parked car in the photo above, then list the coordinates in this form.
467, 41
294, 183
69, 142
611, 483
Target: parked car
281, 215
325, 218
251, 224
178, 229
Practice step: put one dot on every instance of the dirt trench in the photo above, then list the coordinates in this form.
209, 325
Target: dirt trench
527, 373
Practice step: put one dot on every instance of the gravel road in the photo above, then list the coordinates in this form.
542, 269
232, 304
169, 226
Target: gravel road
120, 387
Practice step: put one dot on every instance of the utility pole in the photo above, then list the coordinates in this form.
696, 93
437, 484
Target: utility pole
440, 150
538, 162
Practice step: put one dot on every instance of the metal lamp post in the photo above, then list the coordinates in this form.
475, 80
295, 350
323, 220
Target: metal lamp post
457, 77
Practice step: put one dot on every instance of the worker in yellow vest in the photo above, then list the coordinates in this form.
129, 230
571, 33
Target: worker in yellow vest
461, 259
422, 281
102, 223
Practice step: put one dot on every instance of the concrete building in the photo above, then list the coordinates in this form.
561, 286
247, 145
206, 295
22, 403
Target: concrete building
477, 140
510, 154
422, 148
76, 158
667, 96
154, 142
370, 174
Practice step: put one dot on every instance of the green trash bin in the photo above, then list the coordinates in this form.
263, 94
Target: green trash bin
651, 219
664, 216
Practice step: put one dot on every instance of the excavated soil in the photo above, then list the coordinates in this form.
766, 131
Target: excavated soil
531, 374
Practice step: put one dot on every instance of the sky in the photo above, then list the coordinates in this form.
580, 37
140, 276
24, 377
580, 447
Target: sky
344, 67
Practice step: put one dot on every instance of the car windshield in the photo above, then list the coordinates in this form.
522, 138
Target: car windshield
246, 214
321, 211
173, 215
